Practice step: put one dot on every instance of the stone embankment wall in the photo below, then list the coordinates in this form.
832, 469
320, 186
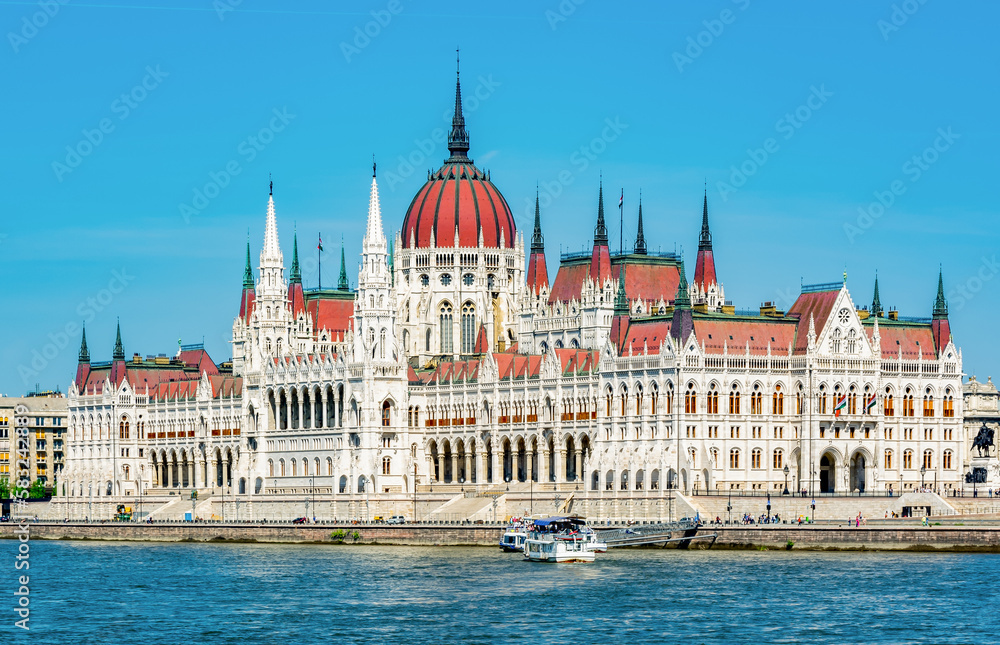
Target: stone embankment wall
945, 538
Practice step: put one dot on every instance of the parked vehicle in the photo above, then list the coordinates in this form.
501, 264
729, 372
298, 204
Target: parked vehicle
396, 519
300, 520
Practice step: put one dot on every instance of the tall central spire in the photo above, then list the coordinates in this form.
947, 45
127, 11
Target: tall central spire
940, 304
295, 273
538, 275
248, 271
876, 301
84, 352
374, 235
705, 241
342, 283
458, 138
119, 351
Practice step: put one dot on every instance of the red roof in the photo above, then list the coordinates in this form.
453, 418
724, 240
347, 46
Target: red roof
649, 280
246, 304
913, 339
734, 333
296, 299
538, 275
333, 314
187, 366
459, 194
818, 304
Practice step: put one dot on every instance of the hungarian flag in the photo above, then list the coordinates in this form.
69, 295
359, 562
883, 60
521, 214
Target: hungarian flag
870, 404
320, 245
841, 404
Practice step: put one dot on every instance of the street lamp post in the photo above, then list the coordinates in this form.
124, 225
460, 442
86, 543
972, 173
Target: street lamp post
729, 505
531, 496
414, 492
785, 470
923, 471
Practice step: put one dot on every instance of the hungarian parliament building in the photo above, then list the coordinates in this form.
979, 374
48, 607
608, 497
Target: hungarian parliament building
458, 361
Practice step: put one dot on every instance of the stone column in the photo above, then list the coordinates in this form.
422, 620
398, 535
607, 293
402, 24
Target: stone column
561, 466
301, 418
323, 421
468, 467
497, 472
454, 466
545, 476
440, 467
190, 466
430, 467
225, 472
170, 474
579, 464
195, 479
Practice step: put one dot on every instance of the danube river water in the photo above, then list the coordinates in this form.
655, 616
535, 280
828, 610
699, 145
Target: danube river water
87, 592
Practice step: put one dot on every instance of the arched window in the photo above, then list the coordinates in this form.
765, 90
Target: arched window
756, 400
305, 467
447, 346
468, 328
946, 460
445, 279
852, 401
381, 344
468, 279
713, 400
427, 341
294, 465
908, 403
386, 414
386, 465
755, 458
908, 459
734, 458
888, 460
948, 404
329, 467
778, 461
690, 400
887, 404
609, 398
852, 341
928, 403
821, 400
270, 468
835, 341
734, 400
281, 467
928, 459
778, 401
624, 400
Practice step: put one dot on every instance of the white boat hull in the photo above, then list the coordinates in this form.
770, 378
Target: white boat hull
558, 551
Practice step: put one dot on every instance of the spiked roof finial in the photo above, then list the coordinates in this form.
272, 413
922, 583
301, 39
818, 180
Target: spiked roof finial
705, 241
876, 300
537, 240
621, 298
601, 230
940, 304
84, 352
119, 353
683, 298
342, 283
640, 239
248, 270
295, 273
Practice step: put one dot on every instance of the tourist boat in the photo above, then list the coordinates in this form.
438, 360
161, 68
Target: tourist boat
562, 539
513, 540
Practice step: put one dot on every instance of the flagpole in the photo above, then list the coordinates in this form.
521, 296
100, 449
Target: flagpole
621, 224
319, 257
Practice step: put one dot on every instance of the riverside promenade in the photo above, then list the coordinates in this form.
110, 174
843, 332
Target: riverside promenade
970, 535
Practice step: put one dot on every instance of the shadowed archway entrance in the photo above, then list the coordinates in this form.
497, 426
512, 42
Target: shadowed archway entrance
858, 472
827, 473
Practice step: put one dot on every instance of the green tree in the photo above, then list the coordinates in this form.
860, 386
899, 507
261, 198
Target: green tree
37, 490
4, 488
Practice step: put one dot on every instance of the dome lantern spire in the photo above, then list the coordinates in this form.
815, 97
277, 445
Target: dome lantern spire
458, 138
640, 238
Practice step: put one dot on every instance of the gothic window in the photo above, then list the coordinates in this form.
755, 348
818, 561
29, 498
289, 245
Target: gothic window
468, 328
425, 280
949, 404
888, 460
756, 400
887, 406
908, 403
386, 414
270, 468
928, 403
734, 458
734, 400
491, 282
427, 341
468, 279
690, 400
713, 400
852, 341
386, 465
908, 459
946, 460
822, 399
778, 401
778, 460
446, 329
755, 458
445, 279
928, 459
852, 402
381, 344
835, 342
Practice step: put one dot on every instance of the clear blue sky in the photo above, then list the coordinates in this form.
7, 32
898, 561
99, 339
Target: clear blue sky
549, 84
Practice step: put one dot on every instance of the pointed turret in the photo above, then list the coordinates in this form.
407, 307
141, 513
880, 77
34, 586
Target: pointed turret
640, 239
458, 138
271, 286
374, 235
248, 296
538, 275
84, 352
600, 259
342, 283
621, 299
876, 301
119, 351
295, 273
83, 366
621, 319
683, 323
704, 270
939, 324
296, 298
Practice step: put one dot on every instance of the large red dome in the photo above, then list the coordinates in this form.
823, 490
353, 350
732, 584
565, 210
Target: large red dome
459, 194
